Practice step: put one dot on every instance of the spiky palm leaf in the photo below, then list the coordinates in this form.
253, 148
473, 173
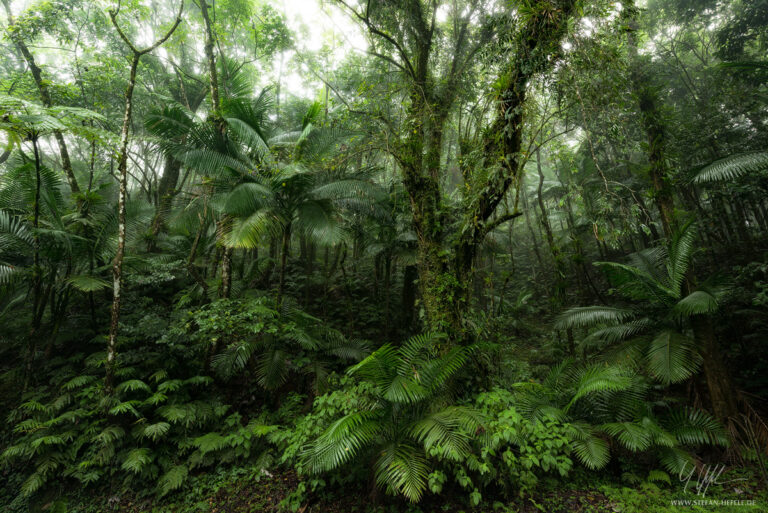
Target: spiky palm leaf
733, 166
405, 420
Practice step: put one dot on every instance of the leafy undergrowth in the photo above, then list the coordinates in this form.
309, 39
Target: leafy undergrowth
250, 491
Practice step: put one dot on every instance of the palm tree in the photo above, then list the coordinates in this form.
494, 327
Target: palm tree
297, 193
409, 417
224, 155
667, 322
609, 402
35, 225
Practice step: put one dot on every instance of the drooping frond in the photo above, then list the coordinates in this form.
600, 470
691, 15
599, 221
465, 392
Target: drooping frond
733, 166
695, 427
591, 449
448, 430
623, 331
402, 467
638, 284
248, 198
597, 379
379, 367
172, 122
699, 302
343, 440
630, 434
672, 357
248, 232
680, 250
588, 316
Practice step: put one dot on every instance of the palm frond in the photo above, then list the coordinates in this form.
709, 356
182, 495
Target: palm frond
402, 467
672, 357
733, 166
597, 379
680, 251
698, 302
588, 316
692, 426
591, 450
342, 441
447, 430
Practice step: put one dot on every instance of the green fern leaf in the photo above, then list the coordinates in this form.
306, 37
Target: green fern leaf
136, 460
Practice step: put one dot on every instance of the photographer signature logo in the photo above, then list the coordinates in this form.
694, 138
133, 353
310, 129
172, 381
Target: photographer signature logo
706, 476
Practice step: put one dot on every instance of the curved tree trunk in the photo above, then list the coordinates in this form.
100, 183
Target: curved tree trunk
117, 263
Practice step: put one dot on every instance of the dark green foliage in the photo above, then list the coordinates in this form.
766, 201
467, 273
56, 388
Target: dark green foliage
300, 204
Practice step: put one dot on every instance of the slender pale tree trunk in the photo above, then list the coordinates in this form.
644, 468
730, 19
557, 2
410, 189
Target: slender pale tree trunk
117, 263
122, 168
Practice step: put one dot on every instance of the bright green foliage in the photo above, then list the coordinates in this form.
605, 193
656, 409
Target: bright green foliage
152, 433
408, 421
513, 452
242, 334
461, 170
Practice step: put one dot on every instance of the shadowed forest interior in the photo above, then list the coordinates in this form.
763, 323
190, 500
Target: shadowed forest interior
383, 256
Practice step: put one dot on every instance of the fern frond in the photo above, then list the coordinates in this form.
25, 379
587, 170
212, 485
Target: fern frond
137, 459
173, 479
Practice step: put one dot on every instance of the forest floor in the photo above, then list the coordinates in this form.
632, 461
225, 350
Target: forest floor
239, 492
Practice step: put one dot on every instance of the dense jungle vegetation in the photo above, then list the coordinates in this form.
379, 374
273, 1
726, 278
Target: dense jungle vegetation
383, 256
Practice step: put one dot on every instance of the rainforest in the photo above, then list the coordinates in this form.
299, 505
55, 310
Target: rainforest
383, 256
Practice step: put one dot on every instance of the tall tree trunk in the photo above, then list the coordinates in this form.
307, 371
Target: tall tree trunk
226, 273
561, 283
285, 249
211, 60
653, 125
117, 263
122, 167
722, 393
408, 302
557, 255
165, 191
37, 301
387, 276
